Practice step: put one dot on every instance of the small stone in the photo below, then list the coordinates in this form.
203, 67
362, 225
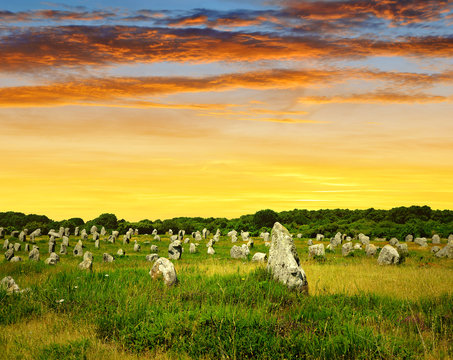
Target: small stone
164, 268
16, 259
316, 250
388, 256
193, 248
88, 256
259, 257
8, 284
152, 257
436, 239
9, 254
370, 250
97, 244
77, 251
211, 250
121, 252
137, 246
86, 264
175, 250
347, 249
393, 241
239, 252
435, 249
154, 248
107, 258
17, 247
409, 238
421, 241
34, 254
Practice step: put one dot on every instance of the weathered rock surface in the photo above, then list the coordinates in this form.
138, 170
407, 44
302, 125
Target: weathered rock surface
370, 250
33, 255
152, 257
388, 256
193, 249
175, 250
211, 250
316, 250
9, 285
108, 258
239, 252
283, 262
347, 248
259, 257
436, 239
164, 268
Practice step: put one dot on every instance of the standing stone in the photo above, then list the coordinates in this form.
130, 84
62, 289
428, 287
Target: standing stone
173, 238
284, 261
357, 246
175, 250
299, 236
14, 233
97, 244
393, 241
136, 246
205, 233
156, 238
186, 240
152, 257
319, 237
51, 247
435, 249
95, 236
266, 236
9, 285
65, 241
193, 248
61, 231
239, 252
409, 238
234, 238
17, 247
107, 258
86, 264
103, 232
63, 249
78, 250
53, 259
121, 252
446, 251
198, 236
421, 241
76, 231
83, 234
211, 250
450, 239
250, 243
365, 240
310, 242
388, 256
93, 229
34, 254
181, 234
125, 239
6, 244
136, 232
35, 234
245, 235
347, 249
9, 254
154, 249
164, 268
316, 250
370, 250
23, 235
88, 256
154, 232
1, 233
16, 259
403, 251
337, 239
27, 247
259, 257
436, 239
67, 231
53, 234
330, 247
232, 232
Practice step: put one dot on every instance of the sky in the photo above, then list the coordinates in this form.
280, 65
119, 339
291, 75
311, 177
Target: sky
152, 109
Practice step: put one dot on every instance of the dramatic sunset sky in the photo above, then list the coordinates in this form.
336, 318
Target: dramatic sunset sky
155, 109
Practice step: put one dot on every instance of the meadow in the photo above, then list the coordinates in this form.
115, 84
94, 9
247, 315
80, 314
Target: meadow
226, 308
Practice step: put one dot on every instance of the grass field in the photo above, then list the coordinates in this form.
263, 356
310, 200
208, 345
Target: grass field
226, 308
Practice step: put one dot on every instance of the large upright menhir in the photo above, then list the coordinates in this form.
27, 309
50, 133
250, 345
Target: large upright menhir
283, 260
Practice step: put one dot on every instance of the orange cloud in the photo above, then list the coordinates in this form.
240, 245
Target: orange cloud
102, 45
100, 90
377, 98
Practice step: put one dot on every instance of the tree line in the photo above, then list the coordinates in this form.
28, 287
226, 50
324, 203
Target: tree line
396, 222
